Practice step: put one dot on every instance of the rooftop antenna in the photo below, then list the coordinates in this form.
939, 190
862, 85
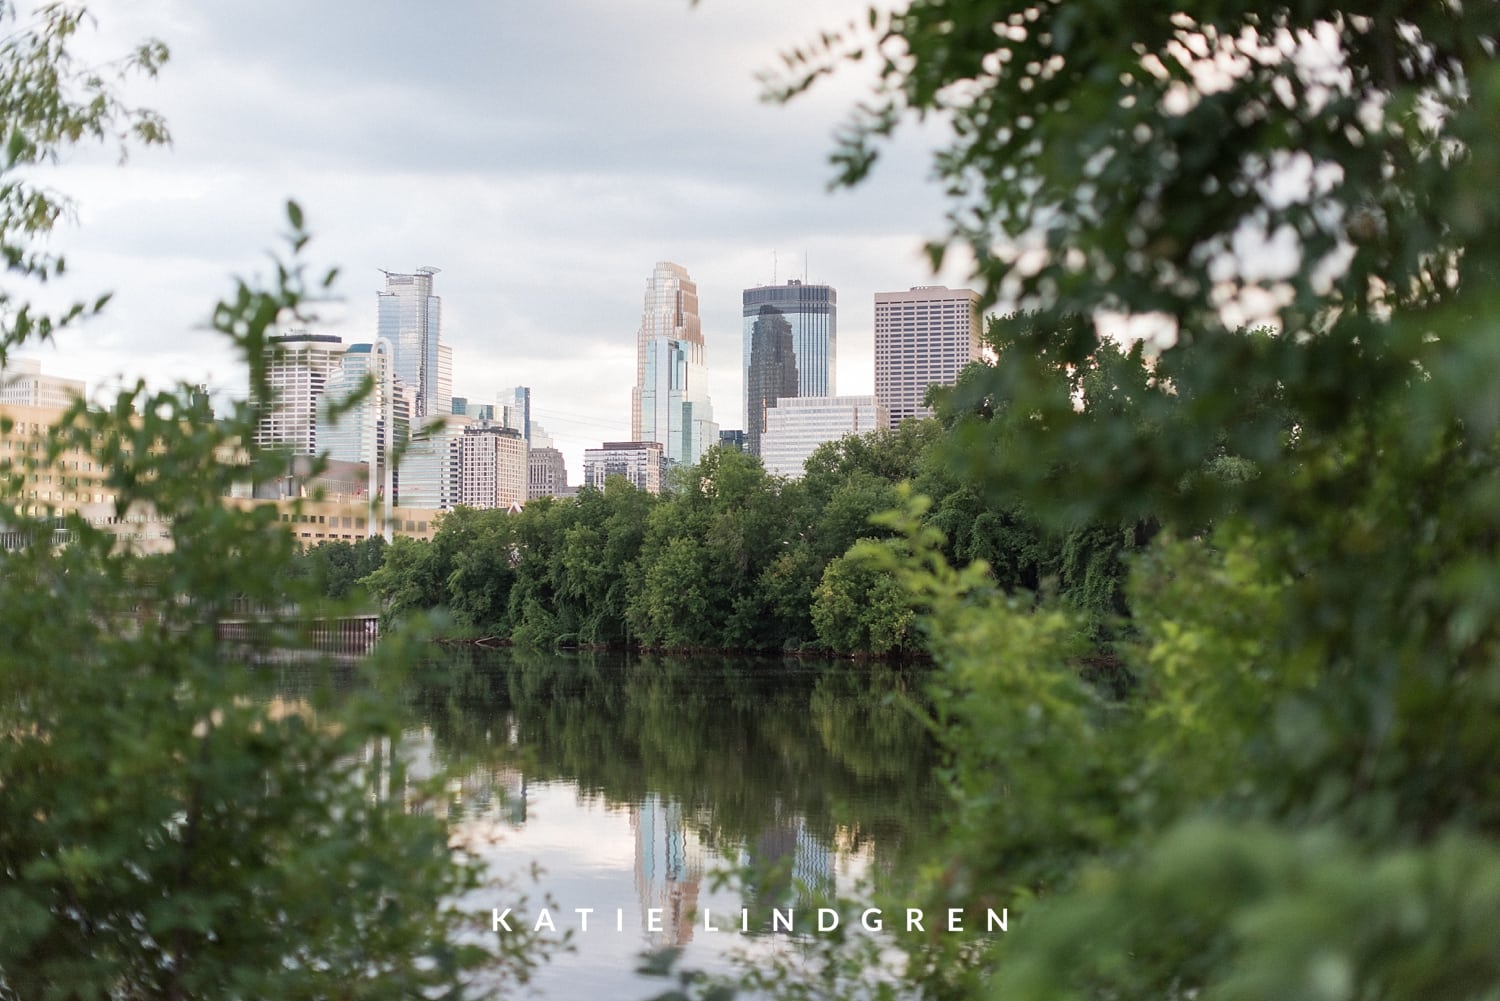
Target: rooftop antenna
773, 267
804, 267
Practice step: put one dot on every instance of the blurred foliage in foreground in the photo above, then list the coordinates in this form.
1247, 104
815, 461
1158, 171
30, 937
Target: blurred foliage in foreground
1300, 799
167, 831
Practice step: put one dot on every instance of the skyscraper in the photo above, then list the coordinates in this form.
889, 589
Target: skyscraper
670, 401
299, 367
359, 433
791, 346
494, 467
513, 409
923, 337
411, 318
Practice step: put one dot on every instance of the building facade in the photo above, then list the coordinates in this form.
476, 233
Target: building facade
923, 337
464, 407
796, 427
513, 409
790, 348
298, 368
23, 384
643, 463
494, 467
358, 433
670, 402
546, 473
432, 468
410, 316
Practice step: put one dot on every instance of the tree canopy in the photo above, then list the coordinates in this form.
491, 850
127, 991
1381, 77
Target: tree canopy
169, 828
1283, 805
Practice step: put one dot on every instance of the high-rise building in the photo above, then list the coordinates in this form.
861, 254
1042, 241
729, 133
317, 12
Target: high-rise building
795, 428
359, 433
923, 337
546, 473
670, 401
643, 463
298, 368
411, 318
432, 468
790, 345
494, 467
513, 409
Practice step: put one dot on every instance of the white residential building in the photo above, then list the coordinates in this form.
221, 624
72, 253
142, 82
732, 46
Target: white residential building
298, 368
643, 463
796, 426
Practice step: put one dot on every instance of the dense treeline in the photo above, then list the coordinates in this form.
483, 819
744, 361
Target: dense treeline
733, 558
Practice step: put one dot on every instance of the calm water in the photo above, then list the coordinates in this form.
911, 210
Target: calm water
631, 782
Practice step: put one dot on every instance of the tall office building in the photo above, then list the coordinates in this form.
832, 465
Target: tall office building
670, 403
791, 346
923, 337
299, 367
411, 318
513, 409
359, 433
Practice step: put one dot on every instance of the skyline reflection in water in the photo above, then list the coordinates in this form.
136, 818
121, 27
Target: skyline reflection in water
631, 782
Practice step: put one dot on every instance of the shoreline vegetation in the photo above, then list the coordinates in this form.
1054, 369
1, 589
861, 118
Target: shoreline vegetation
732, 560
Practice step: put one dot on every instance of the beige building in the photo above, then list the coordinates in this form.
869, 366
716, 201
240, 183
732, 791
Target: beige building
74, 484
494, 467
923, 337
547, 473
317, 521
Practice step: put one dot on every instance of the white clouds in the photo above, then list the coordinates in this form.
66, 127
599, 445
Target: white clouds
543, 155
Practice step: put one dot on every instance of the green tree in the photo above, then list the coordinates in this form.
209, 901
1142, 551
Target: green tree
166, 831
858, 608
1323, 674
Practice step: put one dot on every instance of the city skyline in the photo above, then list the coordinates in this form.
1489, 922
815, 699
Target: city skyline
542, 185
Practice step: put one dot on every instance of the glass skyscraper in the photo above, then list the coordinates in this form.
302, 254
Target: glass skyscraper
791, 346
670, 401
411, 318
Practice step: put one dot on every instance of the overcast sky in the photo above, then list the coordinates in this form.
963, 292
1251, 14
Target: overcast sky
543, 155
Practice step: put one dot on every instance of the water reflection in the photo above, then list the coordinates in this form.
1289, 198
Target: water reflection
631, 781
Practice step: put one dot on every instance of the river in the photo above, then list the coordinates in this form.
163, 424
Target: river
631, 782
